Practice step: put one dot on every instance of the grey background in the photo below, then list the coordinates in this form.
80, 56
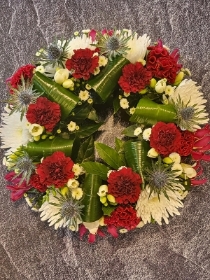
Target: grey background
29, 249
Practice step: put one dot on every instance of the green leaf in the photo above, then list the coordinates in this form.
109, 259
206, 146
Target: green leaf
81, 112
86, 151
92, 210
96, 168
146, 109
93, 115
55, 93
47, 147
109, 155
116, 104
107, 210
119, 145
129, 131
136, 157
87, 130
105, 82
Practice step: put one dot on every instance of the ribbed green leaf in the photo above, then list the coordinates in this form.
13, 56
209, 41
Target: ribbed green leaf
92, 210
147, 109
86, 151
136, 156
55, 93
47, 147
81, 112
105, 82
109, 155
116, 104
96, 168
87, 130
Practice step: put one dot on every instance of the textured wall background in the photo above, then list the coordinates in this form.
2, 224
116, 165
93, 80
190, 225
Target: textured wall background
29, 249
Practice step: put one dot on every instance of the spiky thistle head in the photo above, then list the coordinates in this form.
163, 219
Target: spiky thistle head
55, 54
113, 45
22, 164
61, 210
161, 178
189, 116
22, 97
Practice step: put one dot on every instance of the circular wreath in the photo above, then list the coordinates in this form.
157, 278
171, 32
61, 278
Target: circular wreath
50, 126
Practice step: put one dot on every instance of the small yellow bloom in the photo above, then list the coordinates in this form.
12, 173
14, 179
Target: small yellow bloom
88, 87
132, 110
124, 103
73, 183
36, 129
103, 190
126, 94
96, 71
90, 100
137, 131
77, 169
169, 90
146, 134
102, 60
77, 193
160, 86
40, 69
84, 95
71, 126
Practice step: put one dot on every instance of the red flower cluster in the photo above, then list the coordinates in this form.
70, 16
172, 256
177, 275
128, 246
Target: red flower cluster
44, 112
55, 170
83, 62
35, 183
165, 138
202, 144
26, 71
17, 189
135, 77
186, 144
162, 64
124, 185
123, 216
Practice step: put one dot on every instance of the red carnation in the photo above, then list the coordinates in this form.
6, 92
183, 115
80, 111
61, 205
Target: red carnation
44, 112
162, 64
123, 216
124, 185
135, 77
26, 71
165, 138
35, 183
83, 62
55, 170
187, 143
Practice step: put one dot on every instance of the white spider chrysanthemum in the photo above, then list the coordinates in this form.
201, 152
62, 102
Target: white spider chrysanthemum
13, 131
61, 210
190, 105
80, 42
151, 207
137, 47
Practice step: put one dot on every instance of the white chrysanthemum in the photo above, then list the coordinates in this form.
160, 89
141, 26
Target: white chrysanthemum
190, 105
138, 47
61, 211
150, 206
80, 42
14, 132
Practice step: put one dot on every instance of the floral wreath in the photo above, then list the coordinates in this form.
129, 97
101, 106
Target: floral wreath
51, 121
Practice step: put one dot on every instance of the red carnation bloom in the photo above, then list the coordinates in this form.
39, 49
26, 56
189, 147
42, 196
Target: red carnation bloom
162, 64
135, 77
26, 71
44, 112
124, 185
165, 138
17, 189
83, 62
123, 216
187, 143
36, 183
55, 170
